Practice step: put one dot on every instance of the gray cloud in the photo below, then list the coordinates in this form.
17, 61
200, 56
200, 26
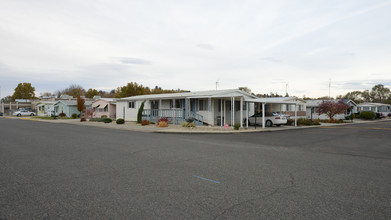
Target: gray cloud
271, 59
205, 46
129, 60
360, 84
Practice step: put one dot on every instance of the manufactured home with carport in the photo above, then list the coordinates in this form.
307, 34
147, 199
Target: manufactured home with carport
216, 107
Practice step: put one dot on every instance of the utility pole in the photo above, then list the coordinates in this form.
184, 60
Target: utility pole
329, 88
217, 83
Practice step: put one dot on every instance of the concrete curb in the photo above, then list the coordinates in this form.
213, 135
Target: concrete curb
187, 131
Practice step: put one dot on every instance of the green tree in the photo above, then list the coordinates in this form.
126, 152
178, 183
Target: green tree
74, 90
24, 91
356, 96
91, 93
7, 99
379, 93
245, 89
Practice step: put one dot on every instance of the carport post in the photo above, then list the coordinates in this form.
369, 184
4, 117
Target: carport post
263, 115
224, 112
221, 113
295, 114
241, 112
232, 111
247, 114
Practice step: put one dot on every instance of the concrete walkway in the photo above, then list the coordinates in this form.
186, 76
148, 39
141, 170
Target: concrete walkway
172, 128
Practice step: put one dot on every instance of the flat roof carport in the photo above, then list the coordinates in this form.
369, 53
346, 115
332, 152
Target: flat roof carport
265, 101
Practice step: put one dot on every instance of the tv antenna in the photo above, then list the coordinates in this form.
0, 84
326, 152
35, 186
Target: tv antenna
286, 88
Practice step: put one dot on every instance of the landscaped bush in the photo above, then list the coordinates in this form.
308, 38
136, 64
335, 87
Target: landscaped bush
97, 119
307, 122
163, 124
349, 117
103, 116
107, 120
333, 121
236, 126
290, 122
191, 119
62, 114
367, 115
120, 121
83, 119
188, 124
164, 119
74, 115
144, 122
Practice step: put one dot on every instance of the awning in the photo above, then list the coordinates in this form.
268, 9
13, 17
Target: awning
102, 106
95, 105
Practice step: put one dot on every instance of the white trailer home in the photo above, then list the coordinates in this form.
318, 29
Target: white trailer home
216, 107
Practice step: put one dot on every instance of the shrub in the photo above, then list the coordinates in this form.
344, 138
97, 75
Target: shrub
349, 117
103, 116
162, 124
97, 119
144, 122
290, 122
74, 115
188, 124
62, 114
140, 113
307, 122
83, 119
152, 123
367, 115
191, 119
165, 119
120, 121
236, 126
107, 120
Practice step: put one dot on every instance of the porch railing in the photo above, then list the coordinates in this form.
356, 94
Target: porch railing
198, 119
175, 116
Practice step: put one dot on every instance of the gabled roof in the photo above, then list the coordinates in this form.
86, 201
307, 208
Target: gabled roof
200, 94
46, 103
372, 104
316, 102
73, 102
110, 100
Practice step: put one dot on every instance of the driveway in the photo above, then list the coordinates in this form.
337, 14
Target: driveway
53, 170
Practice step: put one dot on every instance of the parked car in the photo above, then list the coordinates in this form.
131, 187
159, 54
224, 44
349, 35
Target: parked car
270, 119
24, 112
389, 115
286, 116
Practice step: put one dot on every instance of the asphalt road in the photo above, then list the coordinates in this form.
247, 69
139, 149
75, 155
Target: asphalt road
60, 171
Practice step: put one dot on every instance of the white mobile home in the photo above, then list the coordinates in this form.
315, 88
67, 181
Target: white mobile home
216, 107
374, 107
313, 108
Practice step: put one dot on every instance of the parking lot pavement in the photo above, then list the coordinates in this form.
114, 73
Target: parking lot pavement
53, 170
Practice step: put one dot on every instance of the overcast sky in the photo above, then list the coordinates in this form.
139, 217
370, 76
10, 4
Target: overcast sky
192, 44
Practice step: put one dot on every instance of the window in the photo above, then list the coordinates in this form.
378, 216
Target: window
202, 105
131, 105
175, 103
